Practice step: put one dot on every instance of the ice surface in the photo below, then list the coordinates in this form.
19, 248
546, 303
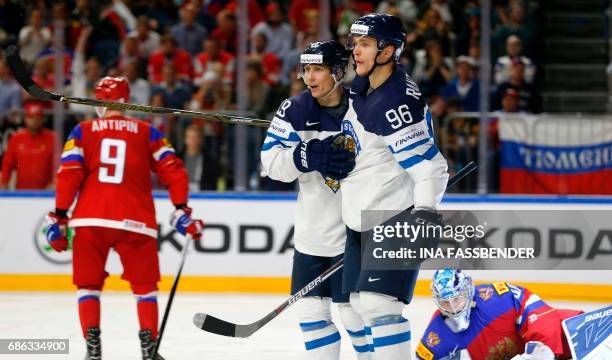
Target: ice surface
54, 315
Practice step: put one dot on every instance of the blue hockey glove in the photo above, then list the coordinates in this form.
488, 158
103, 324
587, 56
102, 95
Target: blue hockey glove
323, 156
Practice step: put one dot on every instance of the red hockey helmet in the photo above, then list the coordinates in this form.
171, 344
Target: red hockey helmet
112, 89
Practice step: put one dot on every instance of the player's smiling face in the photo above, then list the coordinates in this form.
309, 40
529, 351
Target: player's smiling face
318, 79
364, 51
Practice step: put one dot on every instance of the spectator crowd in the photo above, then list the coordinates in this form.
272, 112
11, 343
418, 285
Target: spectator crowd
182, 54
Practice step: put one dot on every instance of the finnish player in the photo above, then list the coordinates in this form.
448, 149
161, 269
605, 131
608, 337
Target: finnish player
491, 321
299, 145
108, 162
397, 165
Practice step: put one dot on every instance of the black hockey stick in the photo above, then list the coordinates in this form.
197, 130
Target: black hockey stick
217, 326
171, 296
23, 78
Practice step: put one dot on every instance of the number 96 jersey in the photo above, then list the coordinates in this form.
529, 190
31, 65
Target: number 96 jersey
397, 163
108, 162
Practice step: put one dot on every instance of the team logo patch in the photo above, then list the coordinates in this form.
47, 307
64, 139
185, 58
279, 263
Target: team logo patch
423, 352
485, 293
432, 339
334, 185
500, 287
69, 145
352, 141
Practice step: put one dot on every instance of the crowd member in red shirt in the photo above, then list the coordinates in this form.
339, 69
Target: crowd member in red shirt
169, 53
108, 162
213, 54
299, 11
226, 31
30, 152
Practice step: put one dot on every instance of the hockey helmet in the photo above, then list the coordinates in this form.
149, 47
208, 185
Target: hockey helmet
112, 89
386, 29
453, 293
327, 53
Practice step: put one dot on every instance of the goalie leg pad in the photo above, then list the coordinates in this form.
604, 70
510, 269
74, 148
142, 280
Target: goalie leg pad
321, 337
390, 330
89, 308
356, 329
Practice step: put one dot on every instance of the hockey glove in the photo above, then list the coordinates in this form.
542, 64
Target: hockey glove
57, 227
181, 220
323, 156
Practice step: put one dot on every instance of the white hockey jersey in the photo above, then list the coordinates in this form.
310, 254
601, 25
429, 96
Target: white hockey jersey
397, 163
319, 229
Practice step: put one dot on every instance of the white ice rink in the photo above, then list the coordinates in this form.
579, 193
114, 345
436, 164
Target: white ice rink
54, 315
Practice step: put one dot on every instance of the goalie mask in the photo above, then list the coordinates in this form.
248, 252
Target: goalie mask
113, 89
453, 294
330, 54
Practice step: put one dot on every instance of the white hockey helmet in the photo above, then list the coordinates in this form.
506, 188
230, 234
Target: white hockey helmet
453, 294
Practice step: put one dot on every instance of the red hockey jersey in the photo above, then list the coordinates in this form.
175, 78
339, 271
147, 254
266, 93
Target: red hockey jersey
503, 319
108, 162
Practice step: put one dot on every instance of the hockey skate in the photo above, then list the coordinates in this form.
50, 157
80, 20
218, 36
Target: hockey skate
94, 347
147, 345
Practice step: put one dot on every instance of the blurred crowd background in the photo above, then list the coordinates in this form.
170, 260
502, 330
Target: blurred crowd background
198, 55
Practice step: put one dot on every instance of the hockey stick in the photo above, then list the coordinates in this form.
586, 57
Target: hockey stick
23, 78
217, 326
171, 296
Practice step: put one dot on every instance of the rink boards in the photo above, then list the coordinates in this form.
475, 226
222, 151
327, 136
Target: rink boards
248, 246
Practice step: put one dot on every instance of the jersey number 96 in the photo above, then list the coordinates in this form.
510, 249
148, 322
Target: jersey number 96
399, 116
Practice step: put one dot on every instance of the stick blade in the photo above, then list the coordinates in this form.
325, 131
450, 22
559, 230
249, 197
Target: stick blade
22, 76
214, 325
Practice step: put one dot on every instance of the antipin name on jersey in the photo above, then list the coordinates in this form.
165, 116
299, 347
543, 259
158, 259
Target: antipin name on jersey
118, 125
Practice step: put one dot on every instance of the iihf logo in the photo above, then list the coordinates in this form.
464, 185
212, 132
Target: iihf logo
347, 129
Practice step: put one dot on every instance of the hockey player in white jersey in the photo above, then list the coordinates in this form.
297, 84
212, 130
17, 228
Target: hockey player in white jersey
389, 127
299, 145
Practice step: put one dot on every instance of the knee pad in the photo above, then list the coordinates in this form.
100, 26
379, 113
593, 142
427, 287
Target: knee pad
143, 291
313, 309
375, 307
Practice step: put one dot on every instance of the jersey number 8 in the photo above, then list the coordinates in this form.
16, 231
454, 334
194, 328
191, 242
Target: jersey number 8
115, 158
396, 117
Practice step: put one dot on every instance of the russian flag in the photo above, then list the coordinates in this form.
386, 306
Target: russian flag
555, 154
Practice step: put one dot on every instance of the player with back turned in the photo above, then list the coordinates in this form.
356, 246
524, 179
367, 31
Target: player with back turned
300, 146
108, 162
389, 127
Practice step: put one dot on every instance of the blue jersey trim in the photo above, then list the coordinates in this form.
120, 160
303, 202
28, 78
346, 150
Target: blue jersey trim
413, 160
292, 137
329, 339
76, 133
72, 158
269, 145
409, 147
